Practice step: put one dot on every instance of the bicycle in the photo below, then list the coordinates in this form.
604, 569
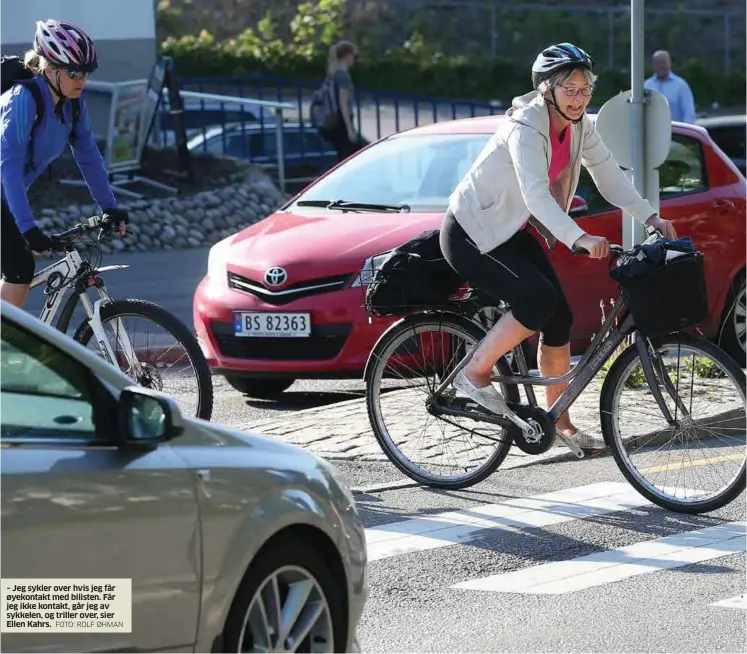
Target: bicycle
641, 367
73, 273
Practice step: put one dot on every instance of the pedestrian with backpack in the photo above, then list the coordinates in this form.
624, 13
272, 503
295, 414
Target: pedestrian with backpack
40, 111
332, 103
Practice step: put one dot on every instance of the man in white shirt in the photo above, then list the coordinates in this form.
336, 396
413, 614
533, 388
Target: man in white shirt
674, 88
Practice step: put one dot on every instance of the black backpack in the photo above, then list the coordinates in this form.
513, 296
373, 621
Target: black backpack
13, 71
414, 275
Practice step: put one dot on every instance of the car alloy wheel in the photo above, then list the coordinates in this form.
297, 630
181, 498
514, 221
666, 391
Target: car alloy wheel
288, 613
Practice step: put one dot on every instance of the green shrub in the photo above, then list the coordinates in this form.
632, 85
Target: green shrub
293, 43
410, 69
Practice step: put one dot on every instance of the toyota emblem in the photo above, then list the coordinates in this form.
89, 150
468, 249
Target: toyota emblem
276, 276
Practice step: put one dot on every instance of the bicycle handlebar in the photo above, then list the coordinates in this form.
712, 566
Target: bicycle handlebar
617, 250
62, 239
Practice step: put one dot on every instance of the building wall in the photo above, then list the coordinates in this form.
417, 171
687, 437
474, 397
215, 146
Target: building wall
124, 31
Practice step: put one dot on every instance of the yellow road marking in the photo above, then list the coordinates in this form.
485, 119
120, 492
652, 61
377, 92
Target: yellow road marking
697, 462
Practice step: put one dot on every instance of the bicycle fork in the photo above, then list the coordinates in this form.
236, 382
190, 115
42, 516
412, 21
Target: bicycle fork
93, 312
648, 356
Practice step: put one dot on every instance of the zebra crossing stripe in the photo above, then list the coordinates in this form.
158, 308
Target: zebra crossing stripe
609, 566
738, 602
453, 527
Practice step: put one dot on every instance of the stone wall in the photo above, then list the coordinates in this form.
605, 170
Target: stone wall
181, 222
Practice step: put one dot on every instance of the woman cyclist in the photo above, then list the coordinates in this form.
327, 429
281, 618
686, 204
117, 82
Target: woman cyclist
528, 173
61, 59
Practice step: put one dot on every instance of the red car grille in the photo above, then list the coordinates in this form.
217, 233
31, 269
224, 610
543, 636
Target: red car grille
325, 342
289, 293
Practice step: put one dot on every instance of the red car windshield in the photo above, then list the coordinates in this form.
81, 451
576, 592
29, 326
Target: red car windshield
419, 171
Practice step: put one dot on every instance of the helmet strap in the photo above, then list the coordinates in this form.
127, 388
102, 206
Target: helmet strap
56, 86
554, 102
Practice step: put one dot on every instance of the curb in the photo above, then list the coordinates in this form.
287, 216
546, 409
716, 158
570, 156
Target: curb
333, 406
301, 412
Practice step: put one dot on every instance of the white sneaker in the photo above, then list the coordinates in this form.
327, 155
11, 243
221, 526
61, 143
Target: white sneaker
587, 441
487, 396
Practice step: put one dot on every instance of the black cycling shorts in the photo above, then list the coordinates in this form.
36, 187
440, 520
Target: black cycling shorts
16, 261
518, 272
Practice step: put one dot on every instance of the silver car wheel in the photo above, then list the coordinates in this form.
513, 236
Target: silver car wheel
289, 611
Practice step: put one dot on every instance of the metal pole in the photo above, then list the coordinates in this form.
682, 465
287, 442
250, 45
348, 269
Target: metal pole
632, 230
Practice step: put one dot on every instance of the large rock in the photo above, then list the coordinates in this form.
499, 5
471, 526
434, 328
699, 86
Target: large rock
193, 221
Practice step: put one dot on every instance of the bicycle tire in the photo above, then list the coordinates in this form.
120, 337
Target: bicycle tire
166, 320
608, 400
374, 372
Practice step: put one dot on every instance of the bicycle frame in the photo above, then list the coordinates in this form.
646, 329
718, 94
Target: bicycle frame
605, 342
58, 278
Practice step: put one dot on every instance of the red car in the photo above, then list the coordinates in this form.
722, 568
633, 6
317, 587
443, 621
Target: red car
282, 298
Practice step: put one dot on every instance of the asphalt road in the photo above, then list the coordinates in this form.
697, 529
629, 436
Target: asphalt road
633, 606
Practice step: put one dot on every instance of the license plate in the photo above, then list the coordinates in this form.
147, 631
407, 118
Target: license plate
271, 325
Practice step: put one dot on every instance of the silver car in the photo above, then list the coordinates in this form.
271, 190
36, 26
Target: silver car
233, 542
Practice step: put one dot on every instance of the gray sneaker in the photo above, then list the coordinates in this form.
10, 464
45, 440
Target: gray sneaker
487, 396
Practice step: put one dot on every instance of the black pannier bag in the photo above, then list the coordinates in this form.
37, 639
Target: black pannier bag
414, 276
663, 286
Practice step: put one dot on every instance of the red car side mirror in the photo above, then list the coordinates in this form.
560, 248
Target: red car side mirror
579, 207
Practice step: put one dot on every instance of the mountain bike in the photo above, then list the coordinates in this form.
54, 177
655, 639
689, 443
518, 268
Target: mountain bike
645, 369
74, 276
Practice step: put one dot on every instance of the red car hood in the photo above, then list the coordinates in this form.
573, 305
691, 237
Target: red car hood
313, 246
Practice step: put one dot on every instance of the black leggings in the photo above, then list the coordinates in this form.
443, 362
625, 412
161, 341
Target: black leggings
517, 272
17, 262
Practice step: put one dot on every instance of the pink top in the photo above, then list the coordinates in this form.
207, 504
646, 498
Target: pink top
561, 153
559, 171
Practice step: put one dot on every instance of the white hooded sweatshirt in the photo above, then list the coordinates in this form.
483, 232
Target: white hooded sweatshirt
509, 182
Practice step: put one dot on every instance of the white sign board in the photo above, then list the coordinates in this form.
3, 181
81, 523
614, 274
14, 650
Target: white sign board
614, 126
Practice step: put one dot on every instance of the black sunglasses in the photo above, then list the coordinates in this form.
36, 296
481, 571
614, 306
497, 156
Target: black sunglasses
77, 74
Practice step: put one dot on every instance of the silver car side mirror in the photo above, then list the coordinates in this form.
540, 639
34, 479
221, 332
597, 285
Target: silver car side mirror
147, 417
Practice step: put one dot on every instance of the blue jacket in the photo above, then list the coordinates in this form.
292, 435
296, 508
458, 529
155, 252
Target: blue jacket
17, 113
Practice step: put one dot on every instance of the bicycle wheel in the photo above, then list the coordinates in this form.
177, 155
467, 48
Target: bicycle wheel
705, 448
155, 354
398, 414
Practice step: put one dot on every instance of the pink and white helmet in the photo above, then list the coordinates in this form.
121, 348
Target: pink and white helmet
65, 45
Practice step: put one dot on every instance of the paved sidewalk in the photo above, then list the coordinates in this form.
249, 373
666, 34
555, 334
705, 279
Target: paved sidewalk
343, 430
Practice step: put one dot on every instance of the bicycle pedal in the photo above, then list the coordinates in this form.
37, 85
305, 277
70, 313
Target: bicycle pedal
575, 449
